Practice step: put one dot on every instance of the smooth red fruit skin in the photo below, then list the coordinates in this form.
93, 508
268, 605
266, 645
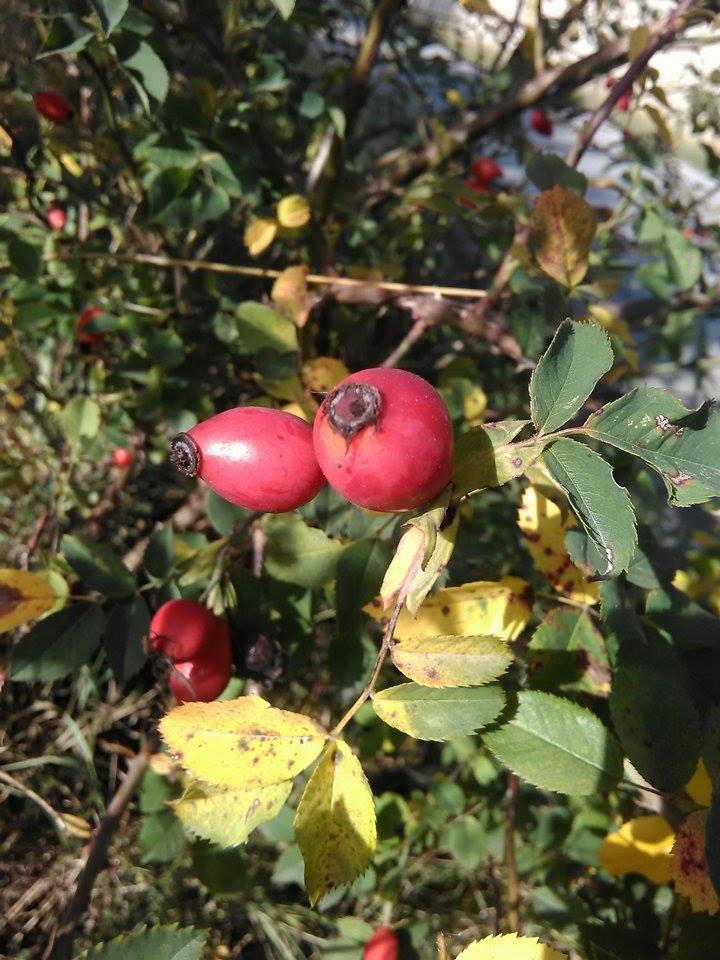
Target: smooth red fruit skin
122, 457
258, 458
183, 629
384, 944
624, 101
192, 680
541, 123
86, 336
52, 105
485, 169
400, 460
56, 218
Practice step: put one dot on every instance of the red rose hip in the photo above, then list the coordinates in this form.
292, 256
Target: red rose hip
200, 679
88, 337
122, 458
52, 105
56, 218
384, 440
258, 458
485, 169
384, 944
184, 629
541, 123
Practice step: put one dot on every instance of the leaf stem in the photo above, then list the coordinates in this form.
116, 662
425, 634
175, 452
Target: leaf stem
380, 660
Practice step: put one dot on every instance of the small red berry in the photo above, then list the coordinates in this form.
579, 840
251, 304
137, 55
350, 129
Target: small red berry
609, 82
477, 187
183, 629
541, 122
56, 218
122, 458
485, 169
384, 440
624, 101
259, 458
87, 336
52, 105
384, 944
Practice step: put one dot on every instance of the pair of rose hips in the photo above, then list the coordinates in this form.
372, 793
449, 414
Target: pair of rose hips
382, 438
197, 644
53, 106
484, 171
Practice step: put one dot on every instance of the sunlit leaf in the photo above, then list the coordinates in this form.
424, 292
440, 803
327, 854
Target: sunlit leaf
451, 661
509, 946
259, 234
429, 714
293, 211
225, 815
23, 596
641, 845
562, 229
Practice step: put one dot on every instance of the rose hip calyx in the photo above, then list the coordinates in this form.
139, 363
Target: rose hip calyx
352, 407
185, 455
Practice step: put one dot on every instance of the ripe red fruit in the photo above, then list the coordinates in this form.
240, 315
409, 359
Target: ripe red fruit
624, 101
384, 440
184, 629
384, 944
52, 105
259, 458
203, 678
56, 218
87, 336
485, 169
541, 122
122, 457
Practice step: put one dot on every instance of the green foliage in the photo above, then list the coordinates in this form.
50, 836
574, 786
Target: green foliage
156, 943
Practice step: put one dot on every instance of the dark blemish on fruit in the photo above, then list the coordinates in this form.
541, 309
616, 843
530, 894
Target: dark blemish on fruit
351, 407
184, 454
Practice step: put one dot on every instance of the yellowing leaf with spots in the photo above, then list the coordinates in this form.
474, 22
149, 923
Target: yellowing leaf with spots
699, 787
509, 946
543, 528
498, 608
451, 661
335, 825
689, 864
641, 845
293, 211
259, 234
323, 373
23, 596
290, 291
227, 816
242, 743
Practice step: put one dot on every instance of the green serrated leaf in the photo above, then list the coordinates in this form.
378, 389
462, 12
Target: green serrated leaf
567, 652
262, 328
127, 626
227, 816
159, 558
429, 714
59, 645
297, 553
486, 457
556, 745
80, 419
284, 7
145, 66
546, 170
155, 943
360, 571
567, 373
451, 661
98, 567
682, 445
67, 34
602, 506
162, 838
335, 825
110, 13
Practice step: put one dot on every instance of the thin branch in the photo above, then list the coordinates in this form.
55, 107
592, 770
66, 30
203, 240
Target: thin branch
513, 882
415, 333
61, 947
667, 32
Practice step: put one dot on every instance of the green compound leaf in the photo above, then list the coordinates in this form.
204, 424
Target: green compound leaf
567, 373
297, 553
486, 457
602, 506
58, 645
452, 661
156, 943
430, 714
98, 567
556, 745
227, 816
682, 445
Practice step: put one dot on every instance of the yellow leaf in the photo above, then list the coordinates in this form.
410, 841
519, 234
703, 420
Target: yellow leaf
242, 743
405, 563
451, 661
290, 292
23, 596
699, 787
562, 228
323, 373
293, 211
499, 608
335, 825
475, 403
509, 946
543, 528
297, 410
77, 826
689, 866
227, 816
641, 845
627, 359
6, 141
71, 164
259, 234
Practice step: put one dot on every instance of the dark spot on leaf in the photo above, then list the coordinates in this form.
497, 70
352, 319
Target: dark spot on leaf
10, 597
